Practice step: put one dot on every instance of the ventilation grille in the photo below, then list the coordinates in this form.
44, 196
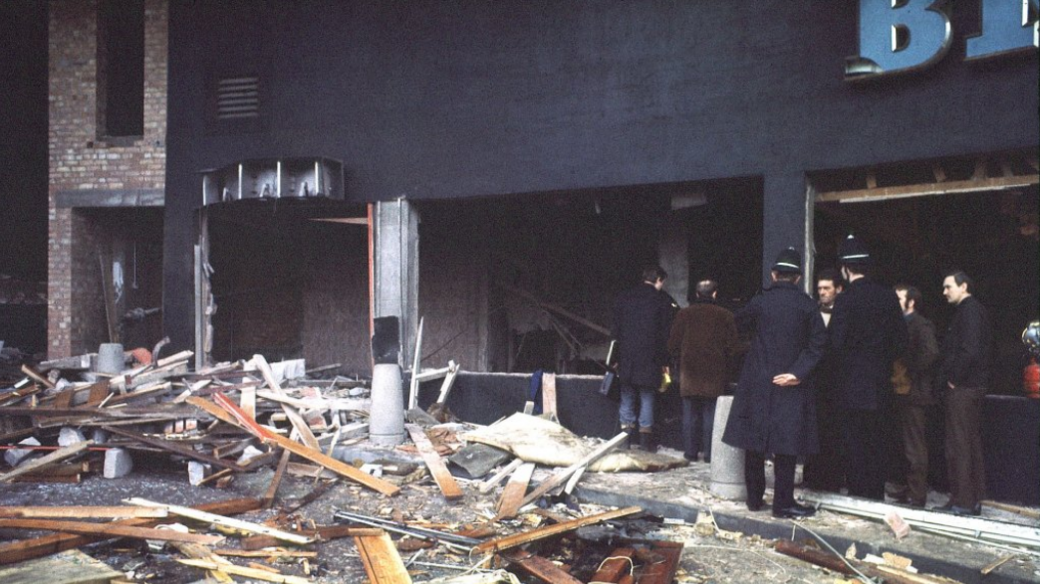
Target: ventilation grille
238, 98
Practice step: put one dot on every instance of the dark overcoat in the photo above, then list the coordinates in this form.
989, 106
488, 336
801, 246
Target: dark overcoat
704, 341
968, 346
642, 317
867, 333
922, 354
789, 337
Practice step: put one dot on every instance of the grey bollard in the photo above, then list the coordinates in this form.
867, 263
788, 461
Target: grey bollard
727, 462
110, 359
386, 419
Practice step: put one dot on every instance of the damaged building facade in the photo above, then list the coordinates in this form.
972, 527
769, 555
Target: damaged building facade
502, 171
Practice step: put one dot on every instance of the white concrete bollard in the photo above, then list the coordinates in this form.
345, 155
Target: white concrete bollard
386, 420
727, 462
110, 358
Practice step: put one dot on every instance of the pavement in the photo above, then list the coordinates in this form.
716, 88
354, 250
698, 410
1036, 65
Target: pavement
684, 494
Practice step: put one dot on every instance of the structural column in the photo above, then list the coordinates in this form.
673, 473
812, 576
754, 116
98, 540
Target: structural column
788, 220
395, 268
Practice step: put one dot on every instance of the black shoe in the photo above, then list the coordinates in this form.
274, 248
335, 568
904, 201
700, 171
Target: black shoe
795, 511
690, 458
626, 444
646, 442
755, 506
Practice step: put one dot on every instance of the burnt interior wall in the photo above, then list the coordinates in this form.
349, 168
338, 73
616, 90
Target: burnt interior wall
289, 287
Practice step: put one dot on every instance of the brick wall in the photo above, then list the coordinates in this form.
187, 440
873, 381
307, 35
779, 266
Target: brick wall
80, 159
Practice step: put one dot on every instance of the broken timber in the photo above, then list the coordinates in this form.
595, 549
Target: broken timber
520, 539
52, 458
80, 512
175, 448
540, 568
382, 562
297, 420
513, 493
247, 572
561, 476
110, 530
449, 488
298, 449
224, 521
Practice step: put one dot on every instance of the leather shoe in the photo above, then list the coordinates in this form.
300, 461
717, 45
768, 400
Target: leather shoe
795, 511
755, 506
949, 508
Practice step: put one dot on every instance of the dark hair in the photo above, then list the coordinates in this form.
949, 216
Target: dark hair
654, 273
705, 288
787, 276
912, 293
959, 277
831, 275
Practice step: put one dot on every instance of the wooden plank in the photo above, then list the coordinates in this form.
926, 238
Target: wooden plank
276, 480
449, 382
662, 572
246, 572
110, 530
513, 495
247, 398
512, 541
413, 384
449, 488
294, 417
37, 377
549, 395
383, 564
79, 512
222, 521
298, 449
561, 476
265, 554
51, 544
198, 552
175, 448
70, 567
52, 458
541, 568
618, 563
920, 190
497, 478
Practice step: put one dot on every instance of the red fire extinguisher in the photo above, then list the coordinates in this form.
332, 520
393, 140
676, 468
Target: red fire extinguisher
1031, 379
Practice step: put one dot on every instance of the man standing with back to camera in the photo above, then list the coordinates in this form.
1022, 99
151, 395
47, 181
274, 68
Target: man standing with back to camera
867, 333
774, 407
642, 318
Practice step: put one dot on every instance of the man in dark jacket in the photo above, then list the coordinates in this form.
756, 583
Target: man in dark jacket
642, 317
913, 379
774, 408
967, 356
704, 341
867, 333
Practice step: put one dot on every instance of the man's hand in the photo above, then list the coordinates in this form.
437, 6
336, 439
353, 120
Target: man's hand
786, 380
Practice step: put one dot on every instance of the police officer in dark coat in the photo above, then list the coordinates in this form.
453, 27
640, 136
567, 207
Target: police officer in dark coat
774, 407
867, 333
642, 320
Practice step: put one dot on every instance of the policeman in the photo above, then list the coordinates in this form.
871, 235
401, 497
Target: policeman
774, 407
867, 333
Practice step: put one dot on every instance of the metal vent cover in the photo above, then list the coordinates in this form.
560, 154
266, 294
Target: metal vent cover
238, 98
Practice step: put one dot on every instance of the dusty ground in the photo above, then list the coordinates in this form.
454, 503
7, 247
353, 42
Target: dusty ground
705, 558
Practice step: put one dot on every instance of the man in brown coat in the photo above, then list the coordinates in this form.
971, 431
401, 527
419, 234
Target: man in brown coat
704, 340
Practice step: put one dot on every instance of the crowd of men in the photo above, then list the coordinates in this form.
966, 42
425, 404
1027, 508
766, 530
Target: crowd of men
821, 381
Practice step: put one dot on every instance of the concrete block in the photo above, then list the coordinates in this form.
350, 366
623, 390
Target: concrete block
117, 463
15, 456
248, 454
69, 436
197, 472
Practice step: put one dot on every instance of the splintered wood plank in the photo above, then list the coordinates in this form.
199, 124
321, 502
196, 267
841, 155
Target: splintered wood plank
519, 539
220, 520
296, 448
549, 394
246, 572
70, 567
52, 458
51, 544
110, 530
506, 471
513, 493
541, 568
175, 448
617, 564
198, 552
383, 564
662, 572
561, 476
272, 489
297, 420
449, 488
79, 512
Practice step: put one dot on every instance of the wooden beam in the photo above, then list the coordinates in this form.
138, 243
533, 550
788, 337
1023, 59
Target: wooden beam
223, 521
549, 395
449, 488
175, 448
413, 385
662, 572
561, 476
294, 417
246, 572
79, 512
51, 544
110, 530
449, 381
298, 449
506, 471
617, 564
52, 458
383, 564
276, 480
517, 540
927, 189
541, 568
513, 495
558, 310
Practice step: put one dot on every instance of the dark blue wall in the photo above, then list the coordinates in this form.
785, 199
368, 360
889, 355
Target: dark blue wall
437, 100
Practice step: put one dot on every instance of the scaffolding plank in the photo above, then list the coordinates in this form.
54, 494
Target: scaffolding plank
449, 488
383, 564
